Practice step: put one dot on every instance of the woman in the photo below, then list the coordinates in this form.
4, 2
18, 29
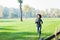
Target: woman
39, 23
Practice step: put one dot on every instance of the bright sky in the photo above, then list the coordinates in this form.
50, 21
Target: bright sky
38, 4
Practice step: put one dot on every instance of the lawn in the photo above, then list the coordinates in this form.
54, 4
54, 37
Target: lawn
14, 29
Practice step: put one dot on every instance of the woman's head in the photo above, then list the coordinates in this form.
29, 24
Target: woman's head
39, 16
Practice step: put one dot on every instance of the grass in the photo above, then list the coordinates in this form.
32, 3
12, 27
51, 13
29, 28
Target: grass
13, 29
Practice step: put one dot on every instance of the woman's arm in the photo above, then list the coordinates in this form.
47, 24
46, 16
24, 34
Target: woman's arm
41, 22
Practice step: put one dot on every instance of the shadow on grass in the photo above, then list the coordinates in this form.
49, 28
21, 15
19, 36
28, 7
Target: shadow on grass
6, 21
6, 29
18, 36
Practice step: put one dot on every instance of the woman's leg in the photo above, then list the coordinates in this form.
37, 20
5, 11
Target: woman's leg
39, 32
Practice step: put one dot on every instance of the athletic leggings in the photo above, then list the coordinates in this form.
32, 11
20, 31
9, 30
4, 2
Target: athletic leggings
39, 30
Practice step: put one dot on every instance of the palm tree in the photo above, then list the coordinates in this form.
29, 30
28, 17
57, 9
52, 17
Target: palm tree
20, 1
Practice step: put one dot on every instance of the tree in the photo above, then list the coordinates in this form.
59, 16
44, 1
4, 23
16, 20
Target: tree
26, 9
6, 12
20, 1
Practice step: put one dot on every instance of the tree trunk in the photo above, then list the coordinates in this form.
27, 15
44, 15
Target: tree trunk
21, 12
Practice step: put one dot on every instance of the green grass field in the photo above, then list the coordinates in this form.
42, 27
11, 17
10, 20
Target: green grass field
13, 29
